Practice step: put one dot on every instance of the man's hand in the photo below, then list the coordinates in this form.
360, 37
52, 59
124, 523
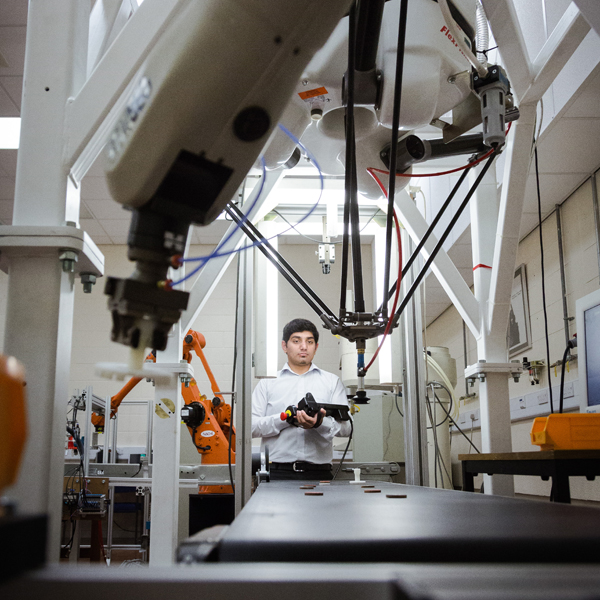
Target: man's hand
307, 422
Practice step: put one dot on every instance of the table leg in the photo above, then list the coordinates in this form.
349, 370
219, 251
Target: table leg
95, 541
561, 491
468, 479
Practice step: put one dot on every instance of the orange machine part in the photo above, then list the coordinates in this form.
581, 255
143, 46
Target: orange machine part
212, 437
13, 419
214, 432
574, 431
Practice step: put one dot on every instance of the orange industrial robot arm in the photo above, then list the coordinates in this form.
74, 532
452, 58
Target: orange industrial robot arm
209, 421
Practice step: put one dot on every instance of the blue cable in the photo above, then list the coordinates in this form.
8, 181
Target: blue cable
204, 259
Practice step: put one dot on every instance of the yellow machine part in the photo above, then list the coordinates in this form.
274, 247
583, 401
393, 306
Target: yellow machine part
13, 421
575, 431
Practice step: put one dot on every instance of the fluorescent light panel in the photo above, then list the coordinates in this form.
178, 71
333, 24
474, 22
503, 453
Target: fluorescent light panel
10, 132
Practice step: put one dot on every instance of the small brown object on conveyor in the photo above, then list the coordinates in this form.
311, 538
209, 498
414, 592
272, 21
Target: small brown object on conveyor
326, 481
395, 495
307, 487
313, 493
372, 491
367, 486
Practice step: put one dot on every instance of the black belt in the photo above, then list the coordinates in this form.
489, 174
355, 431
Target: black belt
299, 466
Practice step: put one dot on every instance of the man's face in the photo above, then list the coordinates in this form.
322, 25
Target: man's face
300, 348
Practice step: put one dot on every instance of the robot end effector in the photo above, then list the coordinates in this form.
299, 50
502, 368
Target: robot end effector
142, 312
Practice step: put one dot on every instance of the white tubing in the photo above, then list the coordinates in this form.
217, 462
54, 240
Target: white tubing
458, 37
446, 382
482, 38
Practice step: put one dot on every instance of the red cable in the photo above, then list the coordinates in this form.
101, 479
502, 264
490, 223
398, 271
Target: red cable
397, 295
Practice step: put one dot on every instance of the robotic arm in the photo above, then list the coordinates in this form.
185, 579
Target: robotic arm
202, 108
208, 421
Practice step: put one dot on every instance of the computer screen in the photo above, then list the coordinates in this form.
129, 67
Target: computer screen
588, 351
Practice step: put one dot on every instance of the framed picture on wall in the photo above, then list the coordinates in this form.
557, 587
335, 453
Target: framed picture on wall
519, 326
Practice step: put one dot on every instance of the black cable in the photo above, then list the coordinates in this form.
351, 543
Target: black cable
359, 295
122, 528
572, 343
461, 431
394, 151
439, 402
443, 237
430, 229
442, 463
349, 123
562, 379
539, 199
397, 407
137, 472
346, 450
351, 196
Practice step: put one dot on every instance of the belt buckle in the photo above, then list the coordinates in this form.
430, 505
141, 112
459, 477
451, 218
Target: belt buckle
296, 470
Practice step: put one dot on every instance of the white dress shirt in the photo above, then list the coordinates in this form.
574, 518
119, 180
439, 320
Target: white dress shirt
288, 443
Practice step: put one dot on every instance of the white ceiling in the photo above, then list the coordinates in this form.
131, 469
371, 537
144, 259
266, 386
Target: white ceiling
568, 153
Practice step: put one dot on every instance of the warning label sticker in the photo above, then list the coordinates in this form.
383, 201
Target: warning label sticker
312, 93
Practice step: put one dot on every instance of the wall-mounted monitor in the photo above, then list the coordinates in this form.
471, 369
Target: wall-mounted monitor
588, 351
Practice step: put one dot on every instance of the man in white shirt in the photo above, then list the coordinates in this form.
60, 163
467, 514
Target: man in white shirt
304, 451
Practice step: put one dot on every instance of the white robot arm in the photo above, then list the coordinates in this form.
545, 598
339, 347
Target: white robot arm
203, 106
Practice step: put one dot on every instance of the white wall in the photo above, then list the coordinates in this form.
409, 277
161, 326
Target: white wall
581, 274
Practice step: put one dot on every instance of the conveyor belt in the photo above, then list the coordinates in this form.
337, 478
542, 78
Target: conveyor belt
348, 524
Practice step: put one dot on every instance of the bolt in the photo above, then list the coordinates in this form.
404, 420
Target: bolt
305, 82
516, 378
88, 280
471, 381
452, 79
68, 259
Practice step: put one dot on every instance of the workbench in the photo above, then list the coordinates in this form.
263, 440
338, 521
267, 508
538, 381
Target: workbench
556, 464
351, 523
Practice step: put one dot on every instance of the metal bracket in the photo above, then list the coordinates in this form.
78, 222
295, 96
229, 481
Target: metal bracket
67, 242
481, 368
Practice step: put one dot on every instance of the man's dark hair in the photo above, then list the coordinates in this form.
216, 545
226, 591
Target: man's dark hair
298, 325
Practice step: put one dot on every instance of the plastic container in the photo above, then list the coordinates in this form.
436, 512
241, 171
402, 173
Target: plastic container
579, 431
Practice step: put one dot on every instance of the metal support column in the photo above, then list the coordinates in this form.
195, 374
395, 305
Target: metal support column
413, 390
491, 344
55, 68
164, 517
243, 378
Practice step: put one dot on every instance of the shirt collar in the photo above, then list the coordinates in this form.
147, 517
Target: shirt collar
287, 368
